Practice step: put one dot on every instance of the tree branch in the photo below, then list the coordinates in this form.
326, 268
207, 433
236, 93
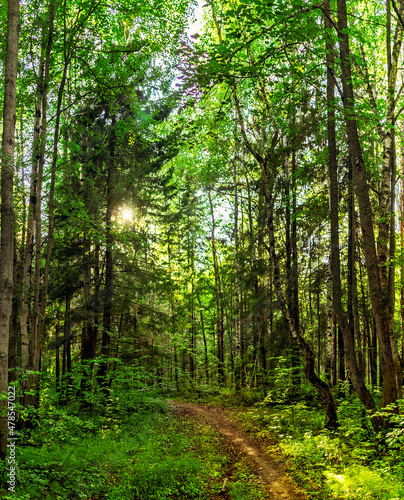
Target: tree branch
397, 11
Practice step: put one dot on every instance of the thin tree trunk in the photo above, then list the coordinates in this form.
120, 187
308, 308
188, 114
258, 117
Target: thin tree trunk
205, 345
13, 336
107, 309
35, 225
57, 356
238, 367
28, 253
67, 381
318, 316
51, 208
391, 288
262, 292
219, 318
330, 353
294, 280
402, 240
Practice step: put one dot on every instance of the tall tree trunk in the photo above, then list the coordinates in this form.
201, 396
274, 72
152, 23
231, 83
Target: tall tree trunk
347, 334
318, 315
262, 292
51, 209
7, 209
28, 252
238, 362
88, 333
389, 387
205, 345
258, 312
192, 336
107, 308
352, 296
35, 213
191, 321
388, 151
219, 312
13, 335
291, 256
67, 381
57, 356
402, 239
386, 237
391, 288
330, 353
294, 279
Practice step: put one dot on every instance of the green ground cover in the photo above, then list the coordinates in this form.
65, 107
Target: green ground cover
133, 450
352, 463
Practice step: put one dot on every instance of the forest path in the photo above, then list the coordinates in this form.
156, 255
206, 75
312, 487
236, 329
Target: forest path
276, 484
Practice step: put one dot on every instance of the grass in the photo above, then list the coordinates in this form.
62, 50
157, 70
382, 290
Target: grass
351, 463
134, 448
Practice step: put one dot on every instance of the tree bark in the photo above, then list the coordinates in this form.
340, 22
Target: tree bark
13, 332
330, 353
389, 387
355, 376
402, 241
7, 209
238, 363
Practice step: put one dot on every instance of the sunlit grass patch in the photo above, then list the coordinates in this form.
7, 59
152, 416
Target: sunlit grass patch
362, 483
331, 467
351, 463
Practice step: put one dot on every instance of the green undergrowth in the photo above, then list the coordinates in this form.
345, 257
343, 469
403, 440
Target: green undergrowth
351, 463
131, 447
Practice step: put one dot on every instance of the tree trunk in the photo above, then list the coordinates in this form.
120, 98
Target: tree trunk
14, 337
205, 345
402, 240
389, 388
262, 293
330, 353
57, 356
238, 362
28, 253
107, 307
219, 316
355, 376
34, 224
7, 209
309, 368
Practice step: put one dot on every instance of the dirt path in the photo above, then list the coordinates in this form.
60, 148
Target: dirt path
274, 480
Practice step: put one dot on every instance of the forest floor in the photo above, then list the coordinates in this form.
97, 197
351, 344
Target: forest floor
269, 470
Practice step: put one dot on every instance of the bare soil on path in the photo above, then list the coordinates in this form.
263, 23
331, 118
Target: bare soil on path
271, 474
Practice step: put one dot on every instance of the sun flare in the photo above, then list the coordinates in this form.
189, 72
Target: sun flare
127, 214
